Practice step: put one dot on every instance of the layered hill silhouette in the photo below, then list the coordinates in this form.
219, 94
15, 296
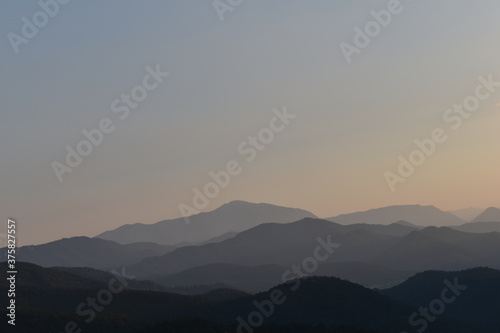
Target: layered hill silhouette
87, 252
487, 221
260, 278
103, 254
281, 244
415, 214
287, 244
216, 277
41, 278
369, 254
310, 301
226, 220
442, 249
331, 301
479, 227
103, 277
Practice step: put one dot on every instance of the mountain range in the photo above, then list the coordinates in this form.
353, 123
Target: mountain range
369, 254
87, 252
228, 219
272, 243
360, 272
417, 250
415, 214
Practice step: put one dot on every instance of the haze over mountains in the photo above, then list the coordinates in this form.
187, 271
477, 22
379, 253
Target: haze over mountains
277, 236
272, 243
443, 249
230, 166
467, 214
232, 217
87, 252
429, 248
415, 214
227, 270
487, 221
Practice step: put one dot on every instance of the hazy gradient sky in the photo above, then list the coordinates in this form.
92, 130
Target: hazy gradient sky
353, 120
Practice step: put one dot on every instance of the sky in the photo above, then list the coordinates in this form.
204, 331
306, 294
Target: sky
227, 80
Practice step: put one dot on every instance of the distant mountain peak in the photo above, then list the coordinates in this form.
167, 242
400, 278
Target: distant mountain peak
491, 214
234, 216
415, 214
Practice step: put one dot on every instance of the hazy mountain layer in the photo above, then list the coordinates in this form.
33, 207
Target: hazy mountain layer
233, 217
415, 214
86, 252
491, 214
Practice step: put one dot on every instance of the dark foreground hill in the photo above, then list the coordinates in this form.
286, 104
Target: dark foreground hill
39, 321
298, 305
478, 301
